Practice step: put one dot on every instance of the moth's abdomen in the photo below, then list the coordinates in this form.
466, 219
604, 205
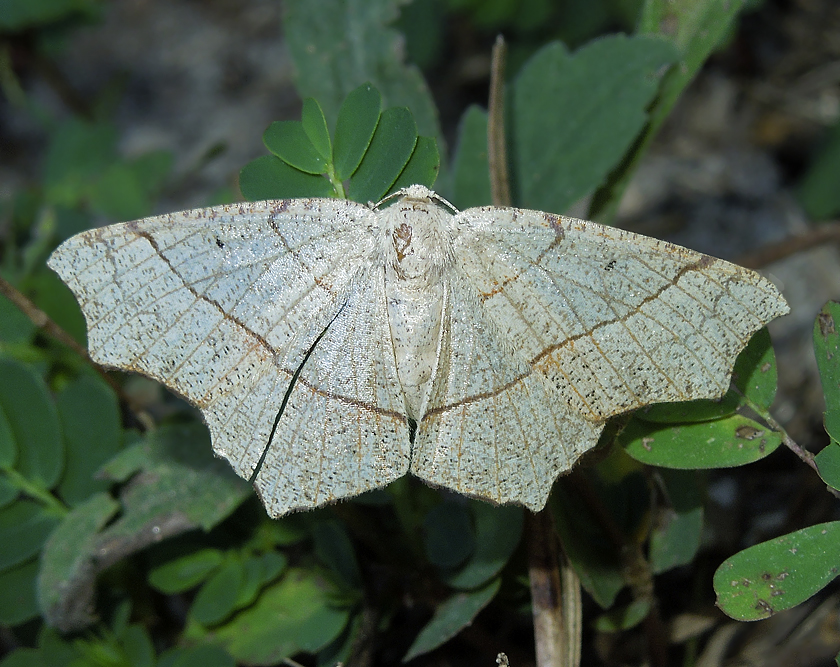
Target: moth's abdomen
415, 319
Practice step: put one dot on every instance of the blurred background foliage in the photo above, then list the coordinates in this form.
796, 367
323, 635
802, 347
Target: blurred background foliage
123, 542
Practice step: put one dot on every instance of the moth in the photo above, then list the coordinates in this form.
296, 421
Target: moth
332, 347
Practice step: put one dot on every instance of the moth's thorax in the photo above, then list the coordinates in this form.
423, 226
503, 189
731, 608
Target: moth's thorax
418, 238
417, 234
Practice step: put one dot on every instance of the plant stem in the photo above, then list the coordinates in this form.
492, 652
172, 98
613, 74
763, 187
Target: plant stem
555, 596
827, 232
496, 147
806, 456
41, 320
36, 492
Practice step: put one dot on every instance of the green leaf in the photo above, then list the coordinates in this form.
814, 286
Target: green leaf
216, 599
818, 192
675, 537
27, 404
178, 486
357, 121
8, 444
315, 126
691, 411
722, 443
90, 416
337, 45
497, 534
422, 167
180, 474
448, 534
754, 374
828, 464
390, 149
185, 572
288, 140
826, 349
470, 166
15, 327
591, 552
55, 651
24, 527
138, 646
778, 574
695, 28
257, 572
292, 615
18, 603
268, 177
575, 116
450, 618
252, 581
340, 650
52, 296
273, 563
755, 370
8, 491
65, 582
334, 548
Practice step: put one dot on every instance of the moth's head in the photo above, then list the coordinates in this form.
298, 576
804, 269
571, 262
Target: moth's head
417, 235
417, 192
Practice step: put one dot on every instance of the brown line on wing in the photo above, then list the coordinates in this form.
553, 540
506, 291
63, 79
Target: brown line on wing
261, 340
702, 263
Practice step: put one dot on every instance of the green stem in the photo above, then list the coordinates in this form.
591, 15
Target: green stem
338, 186
36, 492
806, 456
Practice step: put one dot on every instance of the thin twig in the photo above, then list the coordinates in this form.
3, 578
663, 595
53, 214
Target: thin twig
496, 148
572, 610
43, 321
806, 456
825, 233
546, 595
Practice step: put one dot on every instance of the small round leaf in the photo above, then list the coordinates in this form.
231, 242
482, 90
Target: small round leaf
386, 157
18, 603
315, 126
723, 443
828, 464
217, 598
288, 140
33, 418
755, 370
448, 535
450, 618
182, 574
357, 121
778, 574
24, 528
268, 177
423, 166
827, 351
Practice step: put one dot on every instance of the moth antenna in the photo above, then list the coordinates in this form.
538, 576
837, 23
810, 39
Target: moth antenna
416, 191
